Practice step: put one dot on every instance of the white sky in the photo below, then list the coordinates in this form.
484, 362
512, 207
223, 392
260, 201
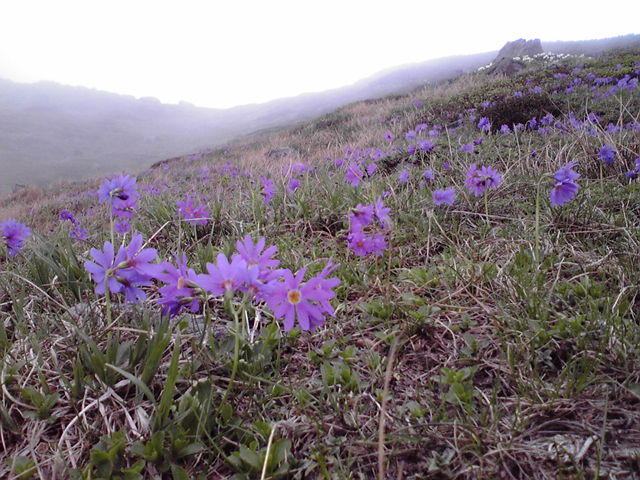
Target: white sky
220, 53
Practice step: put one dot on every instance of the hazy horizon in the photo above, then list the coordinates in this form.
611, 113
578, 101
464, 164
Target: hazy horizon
223, 55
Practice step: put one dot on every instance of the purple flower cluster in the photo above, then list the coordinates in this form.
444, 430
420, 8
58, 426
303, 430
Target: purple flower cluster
78, 233
361, 218
252, 271
121, 194
14, 233
125, 272
478, 180
193, 214
607, 154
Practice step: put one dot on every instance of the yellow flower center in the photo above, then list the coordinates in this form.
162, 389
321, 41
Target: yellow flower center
180, 282
294, 296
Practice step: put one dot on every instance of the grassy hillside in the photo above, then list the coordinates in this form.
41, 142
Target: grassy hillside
51, 132
447, 287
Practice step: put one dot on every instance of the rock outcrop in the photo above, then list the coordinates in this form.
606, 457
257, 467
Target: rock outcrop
509, 59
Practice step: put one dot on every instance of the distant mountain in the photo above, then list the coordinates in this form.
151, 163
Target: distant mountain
51, 132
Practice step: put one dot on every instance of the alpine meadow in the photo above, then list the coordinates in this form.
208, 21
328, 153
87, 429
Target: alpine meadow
442, 284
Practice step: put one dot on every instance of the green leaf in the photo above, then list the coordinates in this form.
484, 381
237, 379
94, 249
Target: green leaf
135, 380
191, 449
156, 350
167, 395
250, 457
179, 473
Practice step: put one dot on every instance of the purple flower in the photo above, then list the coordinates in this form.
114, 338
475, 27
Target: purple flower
268, 190
354, 174
124, 208
105, 265
607, 153
381, 213
79, 234
127, 271
504, 129
404, 176
359, 242
181, 289
389, 136
478, 180
120, 192
428, 174
484, 124
566, 173
444, 196
467, 147
135, 258
565, 188
224, 277
253, 254
378, 244
14, 233
562, 192
293, 184
371, 169
192, 214
122, 227
361, 216
67, 215
307, 302
410, 135
426, 145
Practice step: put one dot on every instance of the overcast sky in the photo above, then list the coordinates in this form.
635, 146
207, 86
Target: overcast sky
220, 53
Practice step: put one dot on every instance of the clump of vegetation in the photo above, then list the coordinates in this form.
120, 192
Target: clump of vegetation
440, 285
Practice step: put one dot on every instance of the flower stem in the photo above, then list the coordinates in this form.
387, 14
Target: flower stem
236, 357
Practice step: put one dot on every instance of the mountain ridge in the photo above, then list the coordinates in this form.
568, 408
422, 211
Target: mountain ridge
51, 132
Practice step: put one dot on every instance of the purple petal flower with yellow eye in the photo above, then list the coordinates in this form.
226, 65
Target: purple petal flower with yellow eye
122, 227
67, 215
119, 189
360, 243
224, 277
307, 303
